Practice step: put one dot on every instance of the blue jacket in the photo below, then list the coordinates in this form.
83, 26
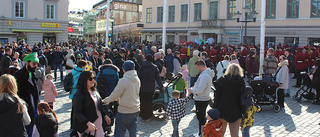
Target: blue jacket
110, 72
169, 61
75, 76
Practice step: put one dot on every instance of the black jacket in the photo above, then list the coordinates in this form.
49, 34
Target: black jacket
160, 63
49, 57
85, 110
11, 123
57, 57
5, 62
148, 74
227, 98
291, 63
26, 88
47, 125
316, 79
118, 61
95, 62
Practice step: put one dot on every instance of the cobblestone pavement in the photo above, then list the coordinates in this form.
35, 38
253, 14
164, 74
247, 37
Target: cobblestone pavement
296, 120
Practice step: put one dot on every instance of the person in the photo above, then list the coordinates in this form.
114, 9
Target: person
252, 66
48, 54
183, 53
46, 122
316, 81
127, 92
16, 58
282, 77
118, 60
169, 61
176, 111
247, 119
184, 71
57, 62
87, 105
227, 98
299, 65
148, 74
70, 63
204, 57
28, 88
222, 66
75, 76
95, 60
213, 128
192, 69
233, 59
13, 68
177, 63
138, 56
5, 61
201, 92
291, 66
14, 114
136, 64
50, 90
269, 65
239, 57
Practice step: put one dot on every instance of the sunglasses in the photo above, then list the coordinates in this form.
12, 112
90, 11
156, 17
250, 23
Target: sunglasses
92, 78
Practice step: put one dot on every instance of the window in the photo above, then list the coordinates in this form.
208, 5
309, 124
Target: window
197, 12
293, 8
231, 9
19, 9
170, 38
290, 41
213, 15
159, 14
252, 5
149, 15
50, 11
315, 8
271, 9
171, 13
184, 13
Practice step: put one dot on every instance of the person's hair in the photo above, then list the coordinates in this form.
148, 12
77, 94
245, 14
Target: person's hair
82, 63
17, 53
107, 61
82, 81
176, 53
138, 51
226, 57
234, 70
8, 86
175, 93
283, 57
49, 75
205, 54
44, 107
270, 50
288, 49
200, 62
153, 47
233, 57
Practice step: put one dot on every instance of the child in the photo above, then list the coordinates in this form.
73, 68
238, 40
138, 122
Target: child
184, 71
50, 91
46, 123
247, 120
180, 85
214, 126
176, 111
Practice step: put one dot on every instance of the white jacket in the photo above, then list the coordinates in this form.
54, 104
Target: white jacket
202, 88
282, 76
220, 69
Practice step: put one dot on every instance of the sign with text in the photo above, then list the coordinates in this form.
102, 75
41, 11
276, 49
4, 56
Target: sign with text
124, 6
52, 25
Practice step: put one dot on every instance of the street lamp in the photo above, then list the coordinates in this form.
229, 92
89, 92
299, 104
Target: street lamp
246, 11
112, 23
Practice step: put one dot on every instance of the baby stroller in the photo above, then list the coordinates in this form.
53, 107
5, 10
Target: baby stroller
305, 93
265, 93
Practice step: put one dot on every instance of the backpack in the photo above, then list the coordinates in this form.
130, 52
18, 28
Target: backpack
68, 82
246, 99
102, 85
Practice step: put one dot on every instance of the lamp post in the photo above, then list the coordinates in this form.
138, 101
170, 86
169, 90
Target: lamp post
246, 11
112, 23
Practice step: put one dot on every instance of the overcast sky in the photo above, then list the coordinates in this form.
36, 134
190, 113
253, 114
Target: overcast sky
74, 5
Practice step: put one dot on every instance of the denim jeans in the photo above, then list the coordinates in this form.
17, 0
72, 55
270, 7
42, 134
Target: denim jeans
246, 132
124, 122
175, 124
55, 71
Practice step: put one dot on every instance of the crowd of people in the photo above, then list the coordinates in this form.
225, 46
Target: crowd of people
118, 82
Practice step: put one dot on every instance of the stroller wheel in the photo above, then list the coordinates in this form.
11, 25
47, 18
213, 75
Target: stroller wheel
159, 111
259, 108
276, 108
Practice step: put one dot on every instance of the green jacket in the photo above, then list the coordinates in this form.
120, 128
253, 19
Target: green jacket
180, 85
192, 68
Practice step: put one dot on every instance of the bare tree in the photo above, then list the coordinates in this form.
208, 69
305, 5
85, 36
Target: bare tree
129, 32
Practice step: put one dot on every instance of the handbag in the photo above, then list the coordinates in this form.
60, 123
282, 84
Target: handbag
84, 134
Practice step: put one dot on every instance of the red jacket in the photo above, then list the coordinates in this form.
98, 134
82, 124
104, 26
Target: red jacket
230, 53
183, 53
306, 59
299, 60
213, 56
222, 53
244, 54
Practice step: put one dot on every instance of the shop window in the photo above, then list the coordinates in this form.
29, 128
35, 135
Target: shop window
183, 38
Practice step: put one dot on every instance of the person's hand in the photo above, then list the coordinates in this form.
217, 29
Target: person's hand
189, 91
104, 101
91, 126
108, 120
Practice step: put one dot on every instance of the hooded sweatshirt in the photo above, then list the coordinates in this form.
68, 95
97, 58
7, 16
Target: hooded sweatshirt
202, 87
50, 91
127, 92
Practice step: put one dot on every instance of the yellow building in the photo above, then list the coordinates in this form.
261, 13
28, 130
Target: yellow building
287, 21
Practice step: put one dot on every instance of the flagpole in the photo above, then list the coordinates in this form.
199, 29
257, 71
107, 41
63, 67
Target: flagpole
164, 26
107, 21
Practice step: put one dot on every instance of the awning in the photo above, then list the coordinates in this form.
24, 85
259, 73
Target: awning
37, 30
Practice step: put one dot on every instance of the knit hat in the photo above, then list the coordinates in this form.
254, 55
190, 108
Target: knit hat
214, 113
31, 57
157, 55
128, 65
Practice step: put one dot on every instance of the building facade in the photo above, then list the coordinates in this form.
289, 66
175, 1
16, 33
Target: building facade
34, 21
287, 21
75, 28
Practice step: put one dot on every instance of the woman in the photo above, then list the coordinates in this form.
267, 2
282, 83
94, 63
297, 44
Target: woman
177, 63
87, 105
70, 63
282, 77
14, 115
234, 59
227, 98
316, 80
252, 65
75, 76
222, 66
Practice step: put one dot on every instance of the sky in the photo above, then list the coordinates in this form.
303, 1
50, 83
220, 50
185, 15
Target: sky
74, 5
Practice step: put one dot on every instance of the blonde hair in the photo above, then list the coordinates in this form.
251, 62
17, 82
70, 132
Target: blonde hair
234, 70
49, 75
8, 86
233, 57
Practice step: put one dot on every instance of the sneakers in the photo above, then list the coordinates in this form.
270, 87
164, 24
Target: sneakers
196, 135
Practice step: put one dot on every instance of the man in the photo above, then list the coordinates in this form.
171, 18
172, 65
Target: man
5, 61
222, 53
48, 54
169, 61
213, 54
127, 92
306, 59
204, 57
239, 57
95, 60
118, 60
183, 53
299, 65
57, 62
290, 57
27, 87
193, 72
138, 56
270, 65
201, 92
16, 57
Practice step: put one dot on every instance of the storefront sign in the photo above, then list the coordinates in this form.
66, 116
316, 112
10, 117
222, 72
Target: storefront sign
9, 23
232, 33
124, 6
70, 29
52, 25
